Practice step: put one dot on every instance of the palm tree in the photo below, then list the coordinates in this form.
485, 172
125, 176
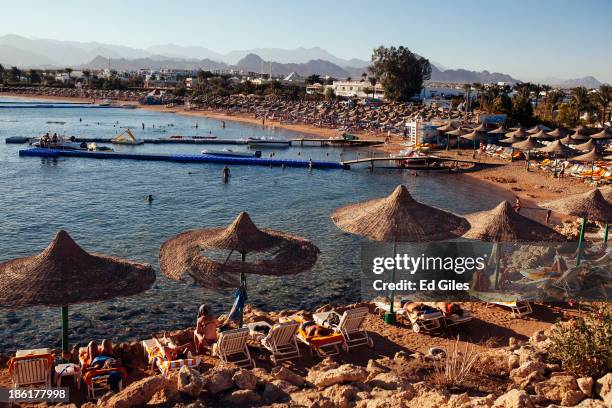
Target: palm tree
68, 71
1, 73
467, 88
373, 81
602, 98
580, 100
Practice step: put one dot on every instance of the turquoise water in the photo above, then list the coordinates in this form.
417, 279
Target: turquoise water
101, 204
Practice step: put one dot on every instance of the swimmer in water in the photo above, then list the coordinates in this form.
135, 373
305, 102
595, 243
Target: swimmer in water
150, 198
226, 174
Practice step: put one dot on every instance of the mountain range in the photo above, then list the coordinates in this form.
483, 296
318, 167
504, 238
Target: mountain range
46, 53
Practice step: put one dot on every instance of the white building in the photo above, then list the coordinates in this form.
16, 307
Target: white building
357, 89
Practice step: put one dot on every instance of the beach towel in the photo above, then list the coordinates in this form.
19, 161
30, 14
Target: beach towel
238, 307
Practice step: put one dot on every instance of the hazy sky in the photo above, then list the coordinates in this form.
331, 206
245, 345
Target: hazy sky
529, 39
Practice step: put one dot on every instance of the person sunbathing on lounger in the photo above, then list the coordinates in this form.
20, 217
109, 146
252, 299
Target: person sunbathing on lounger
206, 329
173, 351
449, 308
416, 308
311, 329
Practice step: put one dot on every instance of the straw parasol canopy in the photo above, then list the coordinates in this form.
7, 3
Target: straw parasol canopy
591, 156
587, 146
580, 133
499, 131
542, 135
528, 144
520, 133
447, 127
65, 274
568, 140
481, 128
503, 224
559, 132
591, 205
182, 255
538, 128
511, 140
603, 134
474, 136
456, 132
558, 149
400, 218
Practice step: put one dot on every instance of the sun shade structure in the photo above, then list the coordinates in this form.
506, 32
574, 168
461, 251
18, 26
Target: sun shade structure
591, 156
559, 132
538, 128
519, 133
499, 131
557, 148
184, 254
503, 224
591, 205
528, 144
585, 147
66, 274
603, 134
580, 133
446, 128
398, 218
542, 135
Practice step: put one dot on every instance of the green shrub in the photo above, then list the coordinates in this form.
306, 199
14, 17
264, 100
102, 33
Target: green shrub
583, 345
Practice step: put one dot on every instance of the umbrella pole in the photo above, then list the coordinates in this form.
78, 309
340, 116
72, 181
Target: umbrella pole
390, 317
497, 264
64, 310
605, 240
244, 287
580, 239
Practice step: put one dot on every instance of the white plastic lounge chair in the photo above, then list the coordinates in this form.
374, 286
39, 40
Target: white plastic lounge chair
350, 325
231, 344
281, 340
455, 319
519, 305
27, 370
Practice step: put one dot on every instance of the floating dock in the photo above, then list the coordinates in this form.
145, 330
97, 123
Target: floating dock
180, 158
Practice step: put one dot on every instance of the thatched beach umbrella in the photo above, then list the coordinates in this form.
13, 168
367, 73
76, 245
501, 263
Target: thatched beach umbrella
529, 144
499, 131
591, 205
559, 132
398, 218
558, 149
474, 136
538, 128
580, 133
65, 274
182, 255
503, 224
603, 134
586, 146
542, 135
519, 133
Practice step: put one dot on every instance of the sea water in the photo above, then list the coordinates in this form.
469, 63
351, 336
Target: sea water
101, 203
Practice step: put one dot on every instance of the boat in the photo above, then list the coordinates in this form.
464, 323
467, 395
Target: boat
58, 143
126, 138
231, 153
105, 102
55, 122
204, 137
127, 106
260, 142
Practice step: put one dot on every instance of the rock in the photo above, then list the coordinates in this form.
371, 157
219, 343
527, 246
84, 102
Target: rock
389, 381
285, 386
528, 353
243, 398
538, 336
273, 393
284, 374
513, 399
561, 389
527, 368
374, 367
512, 342
553, 368
402, 355
245, 379
586, 385
137, 393
189, 382
342, 374
169, 393
494, 362
603, 388
342, 396
324, 308
424, 395
262, 375
218, 379
514, 361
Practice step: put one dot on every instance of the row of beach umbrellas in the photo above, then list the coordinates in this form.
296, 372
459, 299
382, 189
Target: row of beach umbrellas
65, 274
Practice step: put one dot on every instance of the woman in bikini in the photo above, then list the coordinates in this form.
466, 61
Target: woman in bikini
206, 329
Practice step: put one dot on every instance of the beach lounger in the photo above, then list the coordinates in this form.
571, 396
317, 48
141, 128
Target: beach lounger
420, 322
323, 346
31, 369
156, 358
518, 306
281, 339
350, 325
231, 345
454, 319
